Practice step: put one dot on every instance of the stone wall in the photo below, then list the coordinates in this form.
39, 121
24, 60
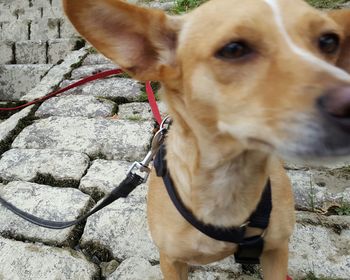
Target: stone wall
34, 36
35, 32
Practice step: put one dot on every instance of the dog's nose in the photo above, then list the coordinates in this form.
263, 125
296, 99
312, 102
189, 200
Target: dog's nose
335, 104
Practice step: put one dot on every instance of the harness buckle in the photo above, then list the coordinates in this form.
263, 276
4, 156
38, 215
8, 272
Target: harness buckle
249, 250
157, 141
138, 166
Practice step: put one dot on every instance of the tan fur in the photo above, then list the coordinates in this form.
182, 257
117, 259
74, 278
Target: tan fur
343, 19
233, 120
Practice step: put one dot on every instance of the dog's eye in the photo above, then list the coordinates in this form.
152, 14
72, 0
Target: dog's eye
329, 43
233, 50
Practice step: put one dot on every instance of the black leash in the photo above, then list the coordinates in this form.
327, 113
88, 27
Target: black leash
123, 190
131, 181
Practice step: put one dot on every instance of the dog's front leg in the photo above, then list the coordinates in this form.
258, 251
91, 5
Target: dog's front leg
275, 263
173, 270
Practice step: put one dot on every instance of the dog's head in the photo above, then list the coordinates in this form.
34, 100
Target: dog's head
262, 73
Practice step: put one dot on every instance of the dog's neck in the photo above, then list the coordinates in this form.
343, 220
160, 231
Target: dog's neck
221, 184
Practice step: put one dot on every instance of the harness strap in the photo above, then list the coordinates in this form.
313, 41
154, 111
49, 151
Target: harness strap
249, 249
261, 216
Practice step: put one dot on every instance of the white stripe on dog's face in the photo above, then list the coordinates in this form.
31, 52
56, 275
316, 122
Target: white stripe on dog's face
304, 54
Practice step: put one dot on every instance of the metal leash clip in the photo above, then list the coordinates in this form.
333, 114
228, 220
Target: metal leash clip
157, 141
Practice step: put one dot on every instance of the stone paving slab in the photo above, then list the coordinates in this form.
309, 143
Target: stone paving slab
31, 52
45, 29
112, 139
216, 275
346, 5
341, 162
27, 164
166, 6
104, 175
320, 189
67, 30
55, 75
117, 89
96, 58
16, 30
58, 49
320, 250
16, 80
44, 201
76, 106
6, 54
122, 229
139, 111
335, 222
88, 70
8, 126
136, 268
27, 261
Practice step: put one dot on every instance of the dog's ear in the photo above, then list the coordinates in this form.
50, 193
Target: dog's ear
142, 41
342, 17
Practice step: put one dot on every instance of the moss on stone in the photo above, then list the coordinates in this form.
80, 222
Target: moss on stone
9, 104
48, 179
24, 122
80, 43
326, 4
95, 250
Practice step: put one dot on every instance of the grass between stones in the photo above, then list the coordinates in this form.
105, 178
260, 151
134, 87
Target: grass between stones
135, 118
80, 43
71, 241
183, 6
312, 276
251, 269
143, 95
9, 104
334, 223
92, 50
343, 209
6, 143
343, 172
97, 252
326, 4
47, 179
96, 194
78, 230
311, 196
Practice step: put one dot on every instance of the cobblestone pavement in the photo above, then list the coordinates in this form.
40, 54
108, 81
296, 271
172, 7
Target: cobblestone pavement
60, 158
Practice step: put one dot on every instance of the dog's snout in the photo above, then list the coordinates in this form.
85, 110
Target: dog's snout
335, 104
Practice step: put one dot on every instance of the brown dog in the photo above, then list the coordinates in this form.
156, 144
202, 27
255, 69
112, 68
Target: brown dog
246, 83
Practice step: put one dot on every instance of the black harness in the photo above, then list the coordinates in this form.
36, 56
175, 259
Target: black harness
249, 249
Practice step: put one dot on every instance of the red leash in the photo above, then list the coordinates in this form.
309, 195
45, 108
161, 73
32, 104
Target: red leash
101, 75
153, 103
76, 84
